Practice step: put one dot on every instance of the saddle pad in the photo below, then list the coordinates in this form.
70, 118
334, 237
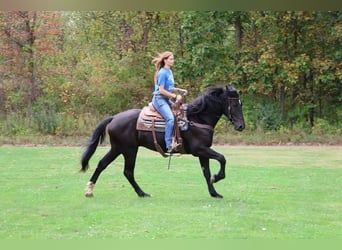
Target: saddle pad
146, 117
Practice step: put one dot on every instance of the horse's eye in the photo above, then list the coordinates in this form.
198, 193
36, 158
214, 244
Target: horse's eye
236, 103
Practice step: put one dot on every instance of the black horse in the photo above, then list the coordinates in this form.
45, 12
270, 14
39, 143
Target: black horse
203, 114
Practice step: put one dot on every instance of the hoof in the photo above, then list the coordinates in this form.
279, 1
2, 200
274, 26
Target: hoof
212, 179
217, 196
144, 195
89, 195
89, 190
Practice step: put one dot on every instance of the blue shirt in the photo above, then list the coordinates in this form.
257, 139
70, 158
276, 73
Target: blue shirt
164, 78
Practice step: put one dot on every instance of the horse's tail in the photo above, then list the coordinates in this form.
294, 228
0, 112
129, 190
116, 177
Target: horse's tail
96, 139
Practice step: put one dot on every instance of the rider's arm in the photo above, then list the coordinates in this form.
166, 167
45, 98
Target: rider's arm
168, 94
185, 92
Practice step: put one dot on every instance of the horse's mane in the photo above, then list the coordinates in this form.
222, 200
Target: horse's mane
212, 94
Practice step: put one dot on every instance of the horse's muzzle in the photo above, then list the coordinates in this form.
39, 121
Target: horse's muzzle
239, 126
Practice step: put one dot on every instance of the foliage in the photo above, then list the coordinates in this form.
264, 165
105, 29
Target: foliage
267, 116
287, 64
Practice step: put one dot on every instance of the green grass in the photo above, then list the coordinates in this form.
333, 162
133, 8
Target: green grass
269, 193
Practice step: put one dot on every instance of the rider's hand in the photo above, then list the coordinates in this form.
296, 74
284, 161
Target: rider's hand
179, 98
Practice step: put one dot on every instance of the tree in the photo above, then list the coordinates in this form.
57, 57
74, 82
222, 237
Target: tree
286, 63
285, 54
206, 36
26, 37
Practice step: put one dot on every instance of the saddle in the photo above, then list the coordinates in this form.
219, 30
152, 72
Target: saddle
150, 115
151, 120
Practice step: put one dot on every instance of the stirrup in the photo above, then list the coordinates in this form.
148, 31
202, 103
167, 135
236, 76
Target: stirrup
173, 148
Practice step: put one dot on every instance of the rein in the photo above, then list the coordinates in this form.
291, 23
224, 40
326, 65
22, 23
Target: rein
199, 125
209, 127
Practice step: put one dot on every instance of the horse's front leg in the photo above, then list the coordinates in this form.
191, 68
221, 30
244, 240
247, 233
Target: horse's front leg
206, 172
211, 154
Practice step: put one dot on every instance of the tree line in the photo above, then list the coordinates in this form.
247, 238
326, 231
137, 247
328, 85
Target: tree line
60, 70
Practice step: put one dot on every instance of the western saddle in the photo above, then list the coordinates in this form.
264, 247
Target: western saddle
151, 120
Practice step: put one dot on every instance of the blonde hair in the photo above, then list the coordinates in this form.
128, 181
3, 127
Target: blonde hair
158, 61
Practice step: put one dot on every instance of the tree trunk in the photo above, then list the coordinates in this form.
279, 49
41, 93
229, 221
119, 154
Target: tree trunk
282, 101
30, 23
311, 100
238, 37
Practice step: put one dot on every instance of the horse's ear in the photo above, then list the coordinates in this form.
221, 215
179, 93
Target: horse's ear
229, 88
231, 91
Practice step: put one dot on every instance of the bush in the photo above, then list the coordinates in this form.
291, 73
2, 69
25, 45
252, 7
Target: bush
46, 121
322, 127
267, 116
16, 124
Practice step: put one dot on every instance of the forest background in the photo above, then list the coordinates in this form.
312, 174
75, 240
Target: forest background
62, 72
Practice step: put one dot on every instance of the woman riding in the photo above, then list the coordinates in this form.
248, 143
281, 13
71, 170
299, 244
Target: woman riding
163, 93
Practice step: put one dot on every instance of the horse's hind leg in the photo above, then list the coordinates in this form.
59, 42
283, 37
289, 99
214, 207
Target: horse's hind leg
103, 163
130, 159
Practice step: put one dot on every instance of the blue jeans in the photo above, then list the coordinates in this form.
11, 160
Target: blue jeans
163, 106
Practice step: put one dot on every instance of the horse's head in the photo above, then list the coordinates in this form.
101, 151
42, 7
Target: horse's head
216, 101
234, 108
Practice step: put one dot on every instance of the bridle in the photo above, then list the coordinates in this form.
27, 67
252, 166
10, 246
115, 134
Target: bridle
230, 99
209, 127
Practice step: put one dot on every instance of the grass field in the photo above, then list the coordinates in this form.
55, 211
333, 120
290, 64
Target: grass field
269, 193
